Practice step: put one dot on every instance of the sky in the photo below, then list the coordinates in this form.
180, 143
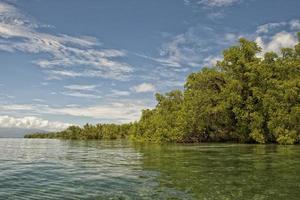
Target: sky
65, 62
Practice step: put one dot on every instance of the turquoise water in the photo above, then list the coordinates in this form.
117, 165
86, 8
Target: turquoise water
54, 169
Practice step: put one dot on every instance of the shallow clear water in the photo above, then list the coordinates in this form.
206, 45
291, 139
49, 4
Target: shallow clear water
54, 169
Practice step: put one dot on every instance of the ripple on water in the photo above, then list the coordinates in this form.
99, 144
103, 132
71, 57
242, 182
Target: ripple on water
55, 169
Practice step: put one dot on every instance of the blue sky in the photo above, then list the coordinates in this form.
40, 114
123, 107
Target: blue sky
68, 62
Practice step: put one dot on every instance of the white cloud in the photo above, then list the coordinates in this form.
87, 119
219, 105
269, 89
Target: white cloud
186, 2
81, 91
176, 53
113, 112
56, 74
292, 25
230, 37
72, 105
280, 40
211, 61
31, 122
44, 83
265, 28
181, 51
80, 94
117, 93
218, 3
16, 107
295, 24
194, 47
216, 15
18, 33
60, 74
39, 100
81, 87
144, 87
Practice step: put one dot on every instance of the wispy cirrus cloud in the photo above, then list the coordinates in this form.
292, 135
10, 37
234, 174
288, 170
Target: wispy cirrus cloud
80, 94
118, 112
39, 100
195, 48
21, 33
114, 112
212, 9
81, 91
265, 28
118, 93
293, 25
177, 52
81, 87
183, 53
218, 3
212, 3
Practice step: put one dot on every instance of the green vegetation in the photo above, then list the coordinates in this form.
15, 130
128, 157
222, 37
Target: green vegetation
244, 98
88, 132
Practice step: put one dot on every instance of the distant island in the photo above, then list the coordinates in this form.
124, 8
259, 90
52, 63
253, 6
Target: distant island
248, 97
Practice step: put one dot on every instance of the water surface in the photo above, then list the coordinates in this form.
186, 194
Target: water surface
55, 169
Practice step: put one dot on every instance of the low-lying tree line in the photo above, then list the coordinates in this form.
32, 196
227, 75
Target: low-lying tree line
246, 97
88, 132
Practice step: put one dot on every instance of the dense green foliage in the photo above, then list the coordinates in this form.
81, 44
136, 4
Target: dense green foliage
244, 98
87, 132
